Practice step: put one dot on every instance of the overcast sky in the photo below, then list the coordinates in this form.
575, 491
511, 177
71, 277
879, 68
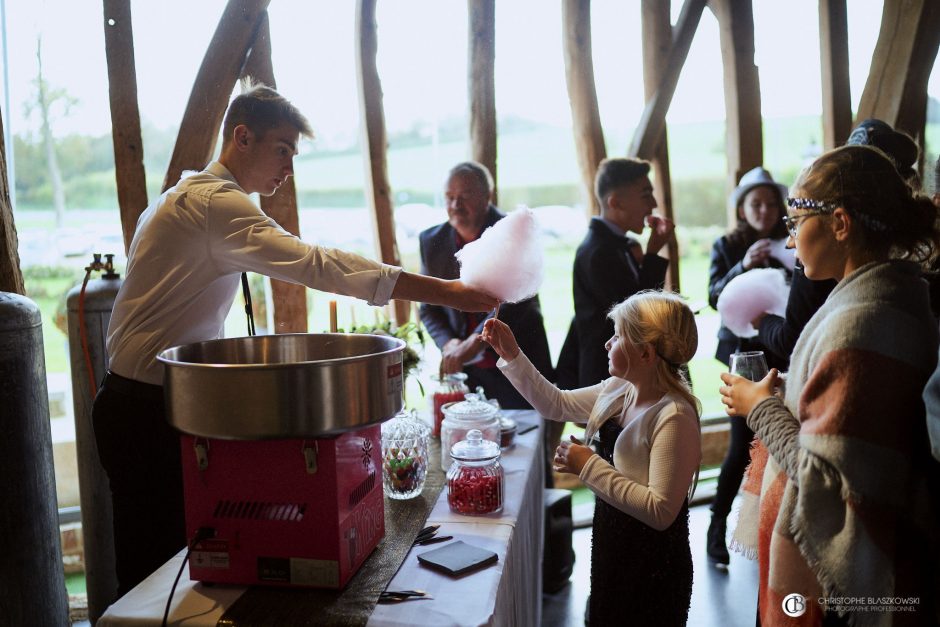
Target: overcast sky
422, 60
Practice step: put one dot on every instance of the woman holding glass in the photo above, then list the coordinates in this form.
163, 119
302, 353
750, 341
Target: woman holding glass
758, 200
841, 498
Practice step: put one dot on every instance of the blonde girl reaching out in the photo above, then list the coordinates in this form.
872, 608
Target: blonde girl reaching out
646, 424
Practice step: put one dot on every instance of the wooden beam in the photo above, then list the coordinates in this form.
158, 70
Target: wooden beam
129, 171
482, 85
657, 42
378, 190
290, 299
11, 277
220, 70
834, 57
745, 144
896, 89
649, 132
585, 115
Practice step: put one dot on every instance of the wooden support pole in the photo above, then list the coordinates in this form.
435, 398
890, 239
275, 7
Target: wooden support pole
896, 89
745, 144
834, 57
378, 190
220, 70
585, 116
657, 42
649, 132
125, 116
290, 299
11, 277
481, 81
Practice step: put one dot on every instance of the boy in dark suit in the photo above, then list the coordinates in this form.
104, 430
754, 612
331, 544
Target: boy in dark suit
610, 266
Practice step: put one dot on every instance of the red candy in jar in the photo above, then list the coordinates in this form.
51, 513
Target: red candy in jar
475, 480
450, 389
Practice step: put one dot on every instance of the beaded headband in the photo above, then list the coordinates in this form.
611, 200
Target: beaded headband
809, 203
828, 205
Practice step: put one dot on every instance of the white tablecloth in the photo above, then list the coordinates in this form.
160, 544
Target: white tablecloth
506, 593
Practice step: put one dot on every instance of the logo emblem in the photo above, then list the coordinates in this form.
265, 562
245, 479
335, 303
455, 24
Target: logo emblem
794, 605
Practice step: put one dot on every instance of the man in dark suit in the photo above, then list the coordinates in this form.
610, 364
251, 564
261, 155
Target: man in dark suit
467, 194
610, 266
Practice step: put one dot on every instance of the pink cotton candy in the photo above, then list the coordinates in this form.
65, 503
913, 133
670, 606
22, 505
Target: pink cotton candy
751, 294
506, 261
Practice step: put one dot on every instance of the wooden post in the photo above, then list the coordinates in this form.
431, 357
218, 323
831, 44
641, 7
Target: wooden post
745, 144
657, 42
896, 89
11, 277
125, 116
378, 191
834, 56
220, 70
290, 299
585, 116
482, 85
649, 132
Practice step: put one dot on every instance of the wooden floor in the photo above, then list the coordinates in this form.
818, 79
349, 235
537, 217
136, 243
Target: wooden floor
720, 597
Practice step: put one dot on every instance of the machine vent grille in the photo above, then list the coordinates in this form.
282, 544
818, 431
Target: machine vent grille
258, 510
362, 490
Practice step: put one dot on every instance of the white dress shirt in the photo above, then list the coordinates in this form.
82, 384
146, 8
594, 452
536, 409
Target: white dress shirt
184, 263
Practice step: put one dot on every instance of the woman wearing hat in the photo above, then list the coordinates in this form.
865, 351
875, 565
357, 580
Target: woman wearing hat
758, 200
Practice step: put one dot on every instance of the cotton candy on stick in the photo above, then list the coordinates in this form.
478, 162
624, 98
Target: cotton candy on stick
751, 294
507, 260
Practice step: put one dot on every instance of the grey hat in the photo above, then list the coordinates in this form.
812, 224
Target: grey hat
755, 178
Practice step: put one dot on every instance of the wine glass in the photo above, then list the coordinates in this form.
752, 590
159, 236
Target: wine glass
750, 365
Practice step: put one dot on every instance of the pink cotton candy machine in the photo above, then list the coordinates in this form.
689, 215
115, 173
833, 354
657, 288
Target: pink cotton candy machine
282, 453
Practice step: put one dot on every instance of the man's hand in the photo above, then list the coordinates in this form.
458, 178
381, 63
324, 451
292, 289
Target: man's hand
571, 456
497, 334
661, 231
458, 352
740, 395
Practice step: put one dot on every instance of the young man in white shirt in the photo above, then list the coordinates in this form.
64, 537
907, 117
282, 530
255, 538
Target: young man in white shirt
184, 263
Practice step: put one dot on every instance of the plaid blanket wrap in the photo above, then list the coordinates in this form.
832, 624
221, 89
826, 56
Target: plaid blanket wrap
841, 501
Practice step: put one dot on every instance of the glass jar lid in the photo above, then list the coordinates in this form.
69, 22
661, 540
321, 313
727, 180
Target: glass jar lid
405, 425
475, 448
471, 408
507, 424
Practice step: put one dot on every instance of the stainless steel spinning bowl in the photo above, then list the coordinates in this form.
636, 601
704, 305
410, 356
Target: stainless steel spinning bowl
283, 386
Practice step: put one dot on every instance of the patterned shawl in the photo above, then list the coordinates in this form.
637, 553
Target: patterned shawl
838, 500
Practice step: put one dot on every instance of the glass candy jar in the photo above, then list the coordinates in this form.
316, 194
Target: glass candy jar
461, 417
450, 389
404, 455
475, 480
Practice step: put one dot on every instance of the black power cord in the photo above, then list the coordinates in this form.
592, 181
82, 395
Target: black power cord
201, 534
248, 311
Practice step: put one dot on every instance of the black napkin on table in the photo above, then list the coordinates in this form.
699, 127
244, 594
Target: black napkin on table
457, 558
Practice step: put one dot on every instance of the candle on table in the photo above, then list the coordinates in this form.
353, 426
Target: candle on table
333, 326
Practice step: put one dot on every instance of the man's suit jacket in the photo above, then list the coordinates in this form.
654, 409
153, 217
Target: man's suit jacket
438, 245
605, 273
